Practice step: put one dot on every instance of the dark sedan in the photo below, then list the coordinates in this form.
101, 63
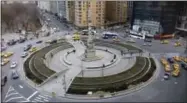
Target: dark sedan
170, 60
38, 42
27, 47
184, 66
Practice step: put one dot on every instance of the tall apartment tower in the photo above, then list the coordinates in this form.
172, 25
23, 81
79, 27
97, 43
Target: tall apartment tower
94, 9
70, 11
116, 12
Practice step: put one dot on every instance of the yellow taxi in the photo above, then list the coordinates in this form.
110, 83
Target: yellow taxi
185, 59
7, 54
164, 42
115, 39
2, 54
76, 37
177, 58
177, 44
4, 62
164, 61
176, 66
33, 49
167, 68
176, 73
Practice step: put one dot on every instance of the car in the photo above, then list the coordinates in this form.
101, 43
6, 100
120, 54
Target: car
176, 73
170, 60
184, 66
8, 54
185, 59
24, 54
3, 48
177, 44
4, 62
131, 40
11, 42
164, 41
13, 65
33, 49
177, 58
166, 76
15, 74
3, 81
2, 54
76, 37
116, 39
28, 47
38, 42
22, 40
53, 41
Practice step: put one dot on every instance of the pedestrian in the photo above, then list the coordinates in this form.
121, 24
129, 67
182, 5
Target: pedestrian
121, 52
114, 56
103, 65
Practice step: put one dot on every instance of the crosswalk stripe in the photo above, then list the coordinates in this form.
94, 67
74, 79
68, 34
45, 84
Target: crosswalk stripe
37, 100
43, 97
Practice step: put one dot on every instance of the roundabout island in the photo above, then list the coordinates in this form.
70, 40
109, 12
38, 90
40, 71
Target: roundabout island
89, 68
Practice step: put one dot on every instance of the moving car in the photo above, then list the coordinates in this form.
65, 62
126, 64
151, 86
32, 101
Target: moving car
170, 60
164, 42
33, 49
184, 66
13, 65
147, 44
3, 81
15, 74
116, 39
177, 58
167, 68
177, 44
166, 76
27, 47
4, 62
8, 54
12, 42
22, 40
76, 37
131, 40
53, 41
3, 48
24, 54
38, 42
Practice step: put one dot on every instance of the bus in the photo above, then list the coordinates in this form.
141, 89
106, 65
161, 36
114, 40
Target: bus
107, 35
163, 36
136, 35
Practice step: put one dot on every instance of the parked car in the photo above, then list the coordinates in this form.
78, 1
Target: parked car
3, 48
22, 40
170, 60
13, 65
15, 74
24, 54
33, 49
38, 42
166, 76
8, 54
11, 42
27, 47
4, 62
184, 66
53, 41
3, 81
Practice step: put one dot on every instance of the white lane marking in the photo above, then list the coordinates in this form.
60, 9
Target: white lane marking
37, 100
9, 90
20, 86
32, 95
11, 94
13, 98
47, 95
43, 97
24, 101
46, 100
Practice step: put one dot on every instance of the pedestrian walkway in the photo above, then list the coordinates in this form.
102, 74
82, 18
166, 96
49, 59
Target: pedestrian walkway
13, 96
41, 98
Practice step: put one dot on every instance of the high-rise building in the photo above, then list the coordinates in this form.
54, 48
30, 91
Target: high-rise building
129, 10
155, 16
181, 24
54, 7
93, 11
44, 5
61, 9
70, 11
116, 12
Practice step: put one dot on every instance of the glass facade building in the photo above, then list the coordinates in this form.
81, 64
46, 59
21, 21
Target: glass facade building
157, 17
